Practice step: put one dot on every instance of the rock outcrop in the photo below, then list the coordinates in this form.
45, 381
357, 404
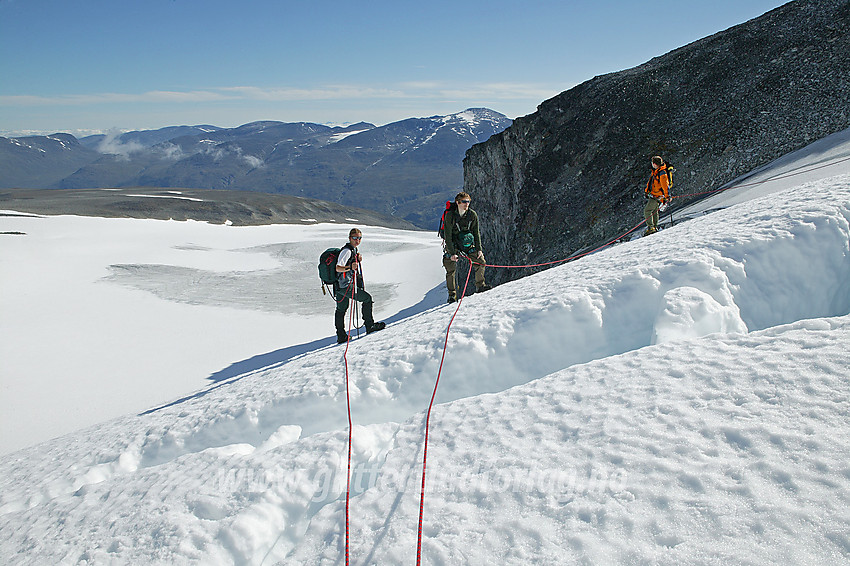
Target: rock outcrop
572, 174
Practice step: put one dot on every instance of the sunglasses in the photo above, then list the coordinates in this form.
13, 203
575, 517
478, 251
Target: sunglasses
356, 237
465, 201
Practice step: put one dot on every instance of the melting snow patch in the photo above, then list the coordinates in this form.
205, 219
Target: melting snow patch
341, 136
164, 196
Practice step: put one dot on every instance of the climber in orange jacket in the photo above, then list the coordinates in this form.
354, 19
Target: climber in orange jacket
657, 192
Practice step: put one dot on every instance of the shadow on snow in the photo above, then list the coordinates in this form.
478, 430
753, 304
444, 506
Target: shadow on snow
238, 370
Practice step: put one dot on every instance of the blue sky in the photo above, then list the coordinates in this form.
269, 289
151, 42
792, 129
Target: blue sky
92, 65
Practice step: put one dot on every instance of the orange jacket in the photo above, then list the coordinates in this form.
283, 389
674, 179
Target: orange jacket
658, 185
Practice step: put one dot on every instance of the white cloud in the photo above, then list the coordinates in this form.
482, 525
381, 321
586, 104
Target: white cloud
171, 152
234, 105
156, 96
321, 93
254, 162
114, 146
411, 90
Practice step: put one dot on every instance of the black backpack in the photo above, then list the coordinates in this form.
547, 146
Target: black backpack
670, 169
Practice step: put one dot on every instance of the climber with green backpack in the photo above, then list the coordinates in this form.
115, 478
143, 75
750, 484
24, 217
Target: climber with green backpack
461, 237
340, 268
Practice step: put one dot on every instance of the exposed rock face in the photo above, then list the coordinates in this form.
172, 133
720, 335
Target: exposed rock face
572, 174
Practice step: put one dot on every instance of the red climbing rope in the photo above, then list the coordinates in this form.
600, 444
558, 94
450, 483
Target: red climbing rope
572, 257
428, 422
348, 406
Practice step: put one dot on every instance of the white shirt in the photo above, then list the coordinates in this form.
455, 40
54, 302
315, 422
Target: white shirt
344, 278
343, 257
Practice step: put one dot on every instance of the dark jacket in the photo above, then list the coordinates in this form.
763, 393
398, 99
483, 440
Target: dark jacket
456, 225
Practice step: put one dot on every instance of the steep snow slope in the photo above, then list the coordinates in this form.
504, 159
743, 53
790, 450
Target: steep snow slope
680, 399
824, 158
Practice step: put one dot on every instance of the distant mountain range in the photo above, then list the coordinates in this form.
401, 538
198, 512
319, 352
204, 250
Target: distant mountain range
406, 169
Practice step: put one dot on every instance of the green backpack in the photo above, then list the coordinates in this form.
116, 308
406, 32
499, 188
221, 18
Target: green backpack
466, 241
327, 265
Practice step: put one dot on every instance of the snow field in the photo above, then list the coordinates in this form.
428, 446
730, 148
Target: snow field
106, 317
680, 399
629, 459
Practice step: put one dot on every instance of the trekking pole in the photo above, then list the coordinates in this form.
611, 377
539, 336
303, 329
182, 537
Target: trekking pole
357, 316
354, 298
360, 271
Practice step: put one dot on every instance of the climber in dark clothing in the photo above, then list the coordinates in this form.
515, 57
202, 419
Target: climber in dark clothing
462, 235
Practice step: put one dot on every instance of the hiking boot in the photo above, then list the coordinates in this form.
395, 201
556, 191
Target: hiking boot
375, 327
341, 338
452, 299
650, 231
483, 288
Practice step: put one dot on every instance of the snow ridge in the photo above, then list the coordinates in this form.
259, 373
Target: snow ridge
680, 399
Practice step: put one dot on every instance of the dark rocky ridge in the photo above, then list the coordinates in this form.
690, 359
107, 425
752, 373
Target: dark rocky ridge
571, 175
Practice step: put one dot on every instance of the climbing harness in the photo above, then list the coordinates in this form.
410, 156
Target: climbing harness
356, 303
